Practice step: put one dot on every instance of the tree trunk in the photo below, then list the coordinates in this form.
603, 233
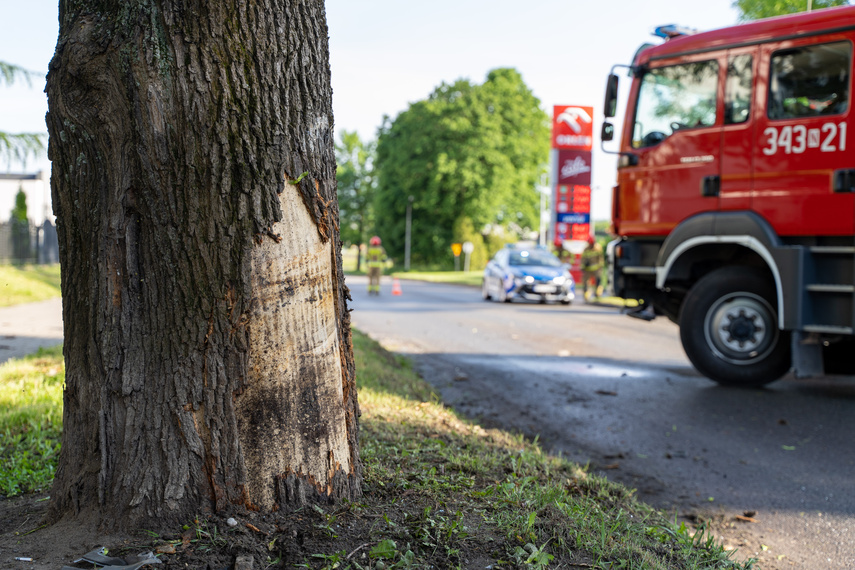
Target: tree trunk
208, 355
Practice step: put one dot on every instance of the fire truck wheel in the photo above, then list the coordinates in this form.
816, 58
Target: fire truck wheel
729, 328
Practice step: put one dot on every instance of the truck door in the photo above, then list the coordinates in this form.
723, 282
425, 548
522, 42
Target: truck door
737, 156
801, 137
675, 139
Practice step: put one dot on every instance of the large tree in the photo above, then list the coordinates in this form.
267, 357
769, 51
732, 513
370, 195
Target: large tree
207, 343
756, 9
470, 156
355, 177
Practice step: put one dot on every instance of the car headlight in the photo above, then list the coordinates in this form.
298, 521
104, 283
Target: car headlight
560, 280
529, 279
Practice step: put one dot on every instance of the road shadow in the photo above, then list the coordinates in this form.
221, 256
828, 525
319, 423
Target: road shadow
666, 430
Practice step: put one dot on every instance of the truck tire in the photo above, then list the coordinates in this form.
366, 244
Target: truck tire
729, 328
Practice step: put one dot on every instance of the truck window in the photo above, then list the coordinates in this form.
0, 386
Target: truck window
737, 90
675, 98
809, 81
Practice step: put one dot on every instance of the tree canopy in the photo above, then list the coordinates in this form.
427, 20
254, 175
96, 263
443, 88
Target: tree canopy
757, 9
470, 156
355, 180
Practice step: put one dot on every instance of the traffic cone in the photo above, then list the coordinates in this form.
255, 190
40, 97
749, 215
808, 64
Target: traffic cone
396, 286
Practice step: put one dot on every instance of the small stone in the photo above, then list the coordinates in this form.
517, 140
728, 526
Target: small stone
231, 522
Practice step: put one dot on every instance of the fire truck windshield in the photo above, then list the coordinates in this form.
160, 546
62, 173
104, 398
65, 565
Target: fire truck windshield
674, 98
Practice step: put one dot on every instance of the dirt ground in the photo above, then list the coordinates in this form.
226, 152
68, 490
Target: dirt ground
313, 538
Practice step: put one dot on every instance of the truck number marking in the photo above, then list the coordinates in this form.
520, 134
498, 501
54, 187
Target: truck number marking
797, 139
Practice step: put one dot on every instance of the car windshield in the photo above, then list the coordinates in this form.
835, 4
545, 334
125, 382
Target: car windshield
533, 257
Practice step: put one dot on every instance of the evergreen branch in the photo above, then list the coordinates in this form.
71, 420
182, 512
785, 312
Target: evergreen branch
21, 147
8, 73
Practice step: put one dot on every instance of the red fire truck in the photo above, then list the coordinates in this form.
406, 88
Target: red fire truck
734, 208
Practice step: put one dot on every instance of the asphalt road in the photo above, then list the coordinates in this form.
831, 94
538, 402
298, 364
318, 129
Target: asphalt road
619, 394
26, 328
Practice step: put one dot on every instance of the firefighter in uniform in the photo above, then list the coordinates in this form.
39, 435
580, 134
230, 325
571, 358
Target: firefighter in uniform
375, 259
592, 267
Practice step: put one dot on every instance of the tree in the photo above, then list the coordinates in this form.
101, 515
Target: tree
18, 147
209, 363
468, 151
757, 9
355, 178
20, 224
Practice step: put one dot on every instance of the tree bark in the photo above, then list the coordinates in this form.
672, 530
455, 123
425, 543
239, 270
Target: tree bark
209, 362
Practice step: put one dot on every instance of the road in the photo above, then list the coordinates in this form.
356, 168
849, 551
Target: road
26, 328
619, 394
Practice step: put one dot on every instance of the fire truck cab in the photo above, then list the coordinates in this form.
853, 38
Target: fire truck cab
734, 210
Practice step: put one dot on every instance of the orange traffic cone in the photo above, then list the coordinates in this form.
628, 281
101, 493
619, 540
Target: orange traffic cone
396, 286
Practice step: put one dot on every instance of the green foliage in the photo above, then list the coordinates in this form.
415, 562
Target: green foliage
18, 147
30, 421
464, 231
21, 250
355, 178
9, 72
757, 9
470, 152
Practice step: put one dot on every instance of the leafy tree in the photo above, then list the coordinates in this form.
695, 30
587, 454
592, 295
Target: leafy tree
756, 9
467, 151
18, 147
355, 178
20, 228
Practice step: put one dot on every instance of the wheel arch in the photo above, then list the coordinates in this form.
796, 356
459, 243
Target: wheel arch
711, 240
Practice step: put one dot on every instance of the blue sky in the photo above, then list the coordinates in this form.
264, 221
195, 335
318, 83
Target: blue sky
385, 54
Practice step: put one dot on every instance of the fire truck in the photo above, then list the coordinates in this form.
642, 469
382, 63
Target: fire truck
734, 210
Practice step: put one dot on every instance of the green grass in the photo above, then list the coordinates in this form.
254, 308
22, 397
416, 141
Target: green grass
30, 420
439, 491
28, 283
471, 487
453, 277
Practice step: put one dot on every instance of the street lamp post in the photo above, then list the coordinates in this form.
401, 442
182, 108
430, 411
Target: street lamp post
407, 234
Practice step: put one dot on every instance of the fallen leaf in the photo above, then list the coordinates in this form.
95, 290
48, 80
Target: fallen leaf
612, 466
745, 519
165, 549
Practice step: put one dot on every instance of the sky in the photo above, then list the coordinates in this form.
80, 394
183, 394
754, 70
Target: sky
386, 54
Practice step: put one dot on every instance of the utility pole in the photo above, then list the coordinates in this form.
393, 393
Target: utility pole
407, 234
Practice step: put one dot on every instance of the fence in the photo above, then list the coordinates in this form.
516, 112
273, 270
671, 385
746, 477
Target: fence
28, 243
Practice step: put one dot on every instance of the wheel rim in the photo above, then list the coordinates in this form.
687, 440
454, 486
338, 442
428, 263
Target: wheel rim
740, 328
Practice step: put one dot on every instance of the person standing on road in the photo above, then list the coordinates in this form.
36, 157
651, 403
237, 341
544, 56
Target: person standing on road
375, 260
592, 267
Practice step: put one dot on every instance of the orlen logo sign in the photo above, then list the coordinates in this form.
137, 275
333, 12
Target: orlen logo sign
573, 127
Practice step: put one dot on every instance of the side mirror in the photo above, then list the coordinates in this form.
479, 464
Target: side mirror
610, 105
608, 132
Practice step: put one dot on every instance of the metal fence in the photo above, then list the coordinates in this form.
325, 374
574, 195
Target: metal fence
28, 243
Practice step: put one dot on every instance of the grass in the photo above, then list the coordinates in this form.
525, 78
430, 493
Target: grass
452, 277
472, 488
30, 420
28, 283
439, 491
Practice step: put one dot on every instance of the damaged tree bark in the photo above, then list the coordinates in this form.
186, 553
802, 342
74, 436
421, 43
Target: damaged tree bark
207, 340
